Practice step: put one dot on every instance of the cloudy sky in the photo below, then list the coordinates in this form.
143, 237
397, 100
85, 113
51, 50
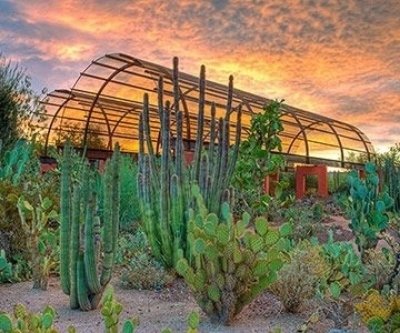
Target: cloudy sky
339, 58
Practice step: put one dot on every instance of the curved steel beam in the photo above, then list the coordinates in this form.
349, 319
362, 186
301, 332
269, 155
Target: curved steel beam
62, 105
103, 86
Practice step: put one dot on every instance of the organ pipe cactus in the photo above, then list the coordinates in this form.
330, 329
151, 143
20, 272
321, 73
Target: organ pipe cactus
83, 276
232, 263
165, 185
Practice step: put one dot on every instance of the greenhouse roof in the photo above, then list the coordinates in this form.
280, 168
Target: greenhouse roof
104, 105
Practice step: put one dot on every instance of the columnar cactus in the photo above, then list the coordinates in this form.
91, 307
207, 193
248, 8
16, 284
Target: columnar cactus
231, 262
83, 278
165, 194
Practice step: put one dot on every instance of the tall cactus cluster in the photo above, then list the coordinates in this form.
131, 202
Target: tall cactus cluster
391, 171
232, 262
165, 185
368, 209
83, 275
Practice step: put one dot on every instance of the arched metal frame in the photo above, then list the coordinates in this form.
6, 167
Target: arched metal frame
116, 114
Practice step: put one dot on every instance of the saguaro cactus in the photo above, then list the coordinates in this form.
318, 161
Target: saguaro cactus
83, 277
165, 194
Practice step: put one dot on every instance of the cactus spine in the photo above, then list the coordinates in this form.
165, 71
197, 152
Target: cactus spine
165, 186
83, 278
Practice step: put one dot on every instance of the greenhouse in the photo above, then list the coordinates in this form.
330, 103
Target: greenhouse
104, 105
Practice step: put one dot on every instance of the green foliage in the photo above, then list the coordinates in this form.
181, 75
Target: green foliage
165, 184
139, 270
368, 208
390, 165
129, 211
18, 162
305, 220
42, 241
74, 133
256, 157
24, 321
231, 262
6, 269
337, 182
111, 312
379, 266
345, 269
83, 278
18, 102
299, 278
21, 177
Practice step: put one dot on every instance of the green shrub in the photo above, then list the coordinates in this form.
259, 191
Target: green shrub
129, 209
304, 220
379, 265
256, 160
299, 279
231, 262
139, 269
18, 102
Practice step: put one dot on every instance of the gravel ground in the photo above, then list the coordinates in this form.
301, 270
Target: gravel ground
157, 310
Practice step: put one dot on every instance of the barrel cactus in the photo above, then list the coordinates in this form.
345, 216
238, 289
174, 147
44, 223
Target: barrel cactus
83, 276
231, 262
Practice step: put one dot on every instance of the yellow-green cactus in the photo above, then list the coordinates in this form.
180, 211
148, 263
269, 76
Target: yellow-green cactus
231, 262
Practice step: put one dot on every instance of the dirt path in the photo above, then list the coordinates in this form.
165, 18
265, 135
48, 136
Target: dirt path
156, 310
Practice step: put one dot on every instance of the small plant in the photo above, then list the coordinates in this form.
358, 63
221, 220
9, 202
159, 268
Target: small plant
143, 272
6, 270
42, 241
256, 158
304, 226
83, 278
345, 269
298, 279
111, 312
379, 265
139, 269
231, 262
27, 322
367, 209
381, 313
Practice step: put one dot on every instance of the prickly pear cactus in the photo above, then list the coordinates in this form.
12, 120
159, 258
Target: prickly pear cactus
367, 208
111, 312
42, 240
231, 262
27, 322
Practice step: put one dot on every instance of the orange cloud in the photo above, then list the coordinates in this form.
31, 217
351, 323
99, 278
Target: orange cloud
338, 58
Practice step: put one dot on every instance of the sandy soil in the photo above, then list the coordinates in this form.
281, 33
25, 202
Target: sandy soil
156, 310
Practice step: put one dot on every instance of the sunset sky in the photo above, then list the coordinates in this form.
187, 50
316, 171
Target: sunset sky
337, 58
